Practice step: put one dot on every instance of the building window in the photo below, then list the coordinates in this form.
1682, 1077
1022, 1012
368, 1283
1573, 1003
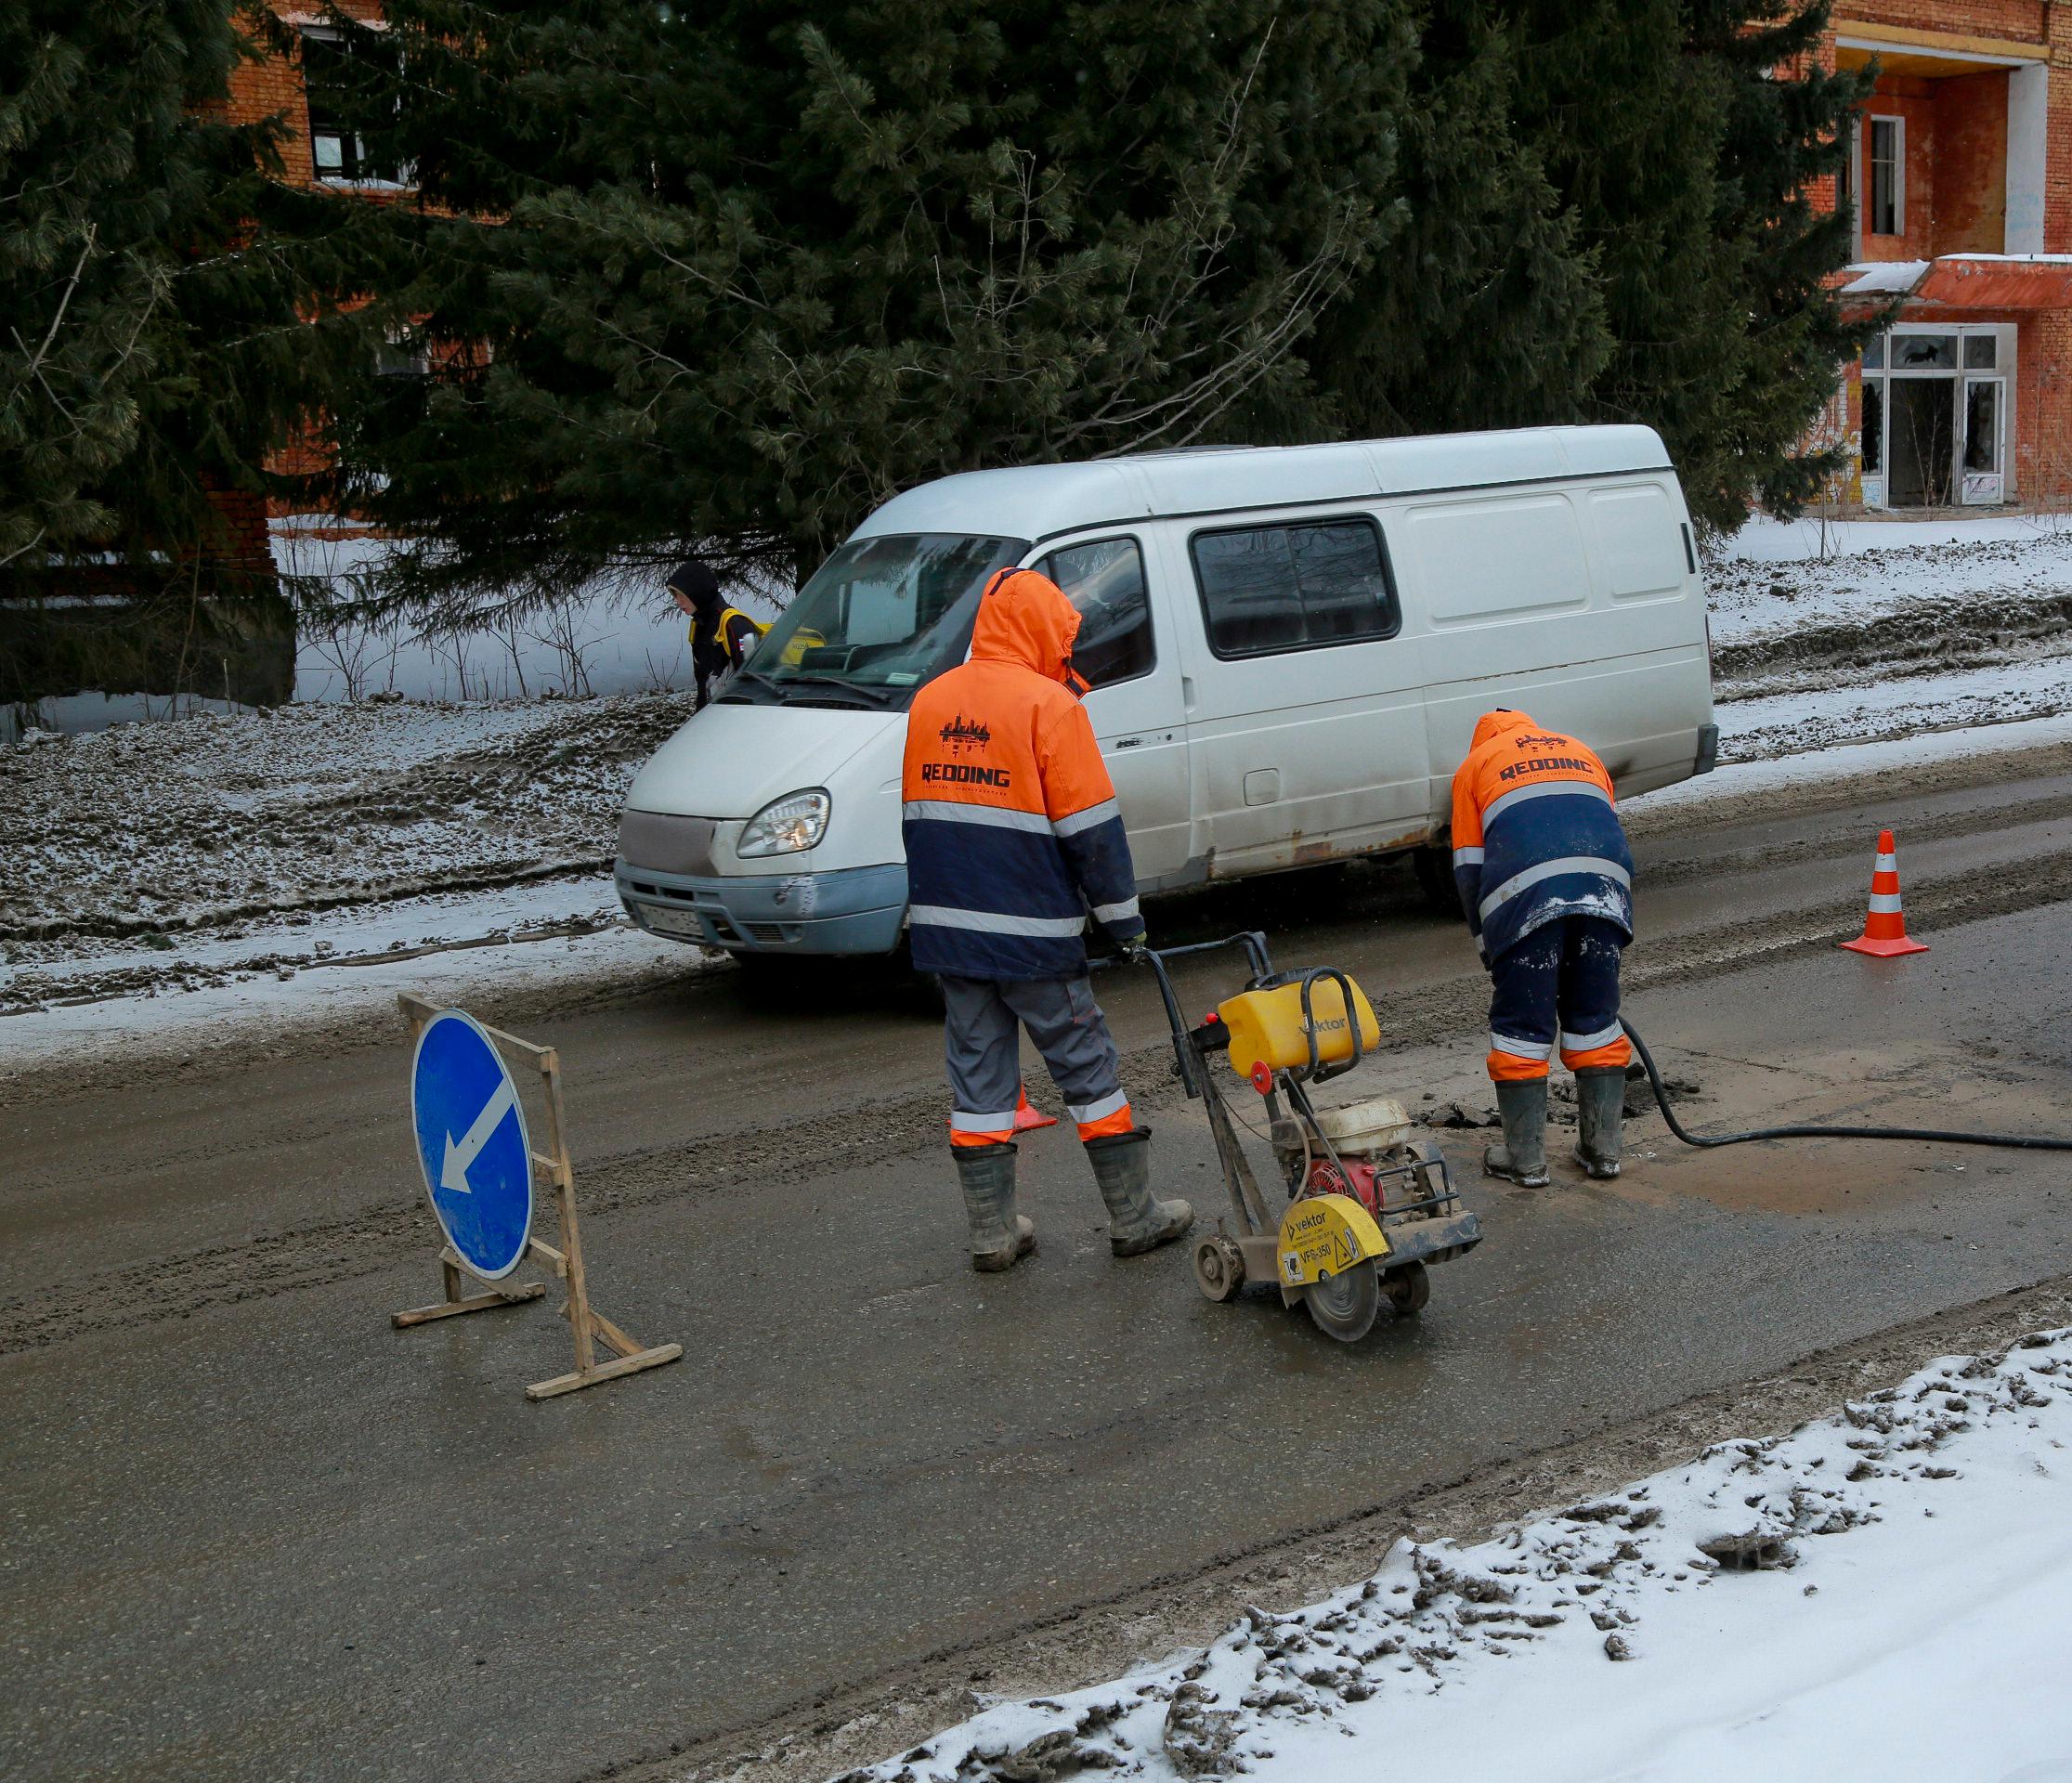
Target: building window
403, 354
1923, 352
1292, 588
1874, 425
342, 81
1982, 426
1888, 177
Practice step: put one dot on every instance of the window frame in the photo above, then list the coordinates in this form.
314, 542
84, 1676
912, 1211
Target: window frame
401, 180
1899, 229
1284, 524
1135, 543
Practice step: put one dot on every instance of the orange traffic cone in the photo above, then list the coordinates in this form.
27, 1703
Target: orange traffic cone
1027, 1119
1884, 928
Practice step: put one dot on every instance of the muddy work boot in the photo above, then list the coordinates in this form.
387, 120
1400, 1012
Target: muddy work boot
1136, 1220
1522, 1158
1000, 1237
1600, 1109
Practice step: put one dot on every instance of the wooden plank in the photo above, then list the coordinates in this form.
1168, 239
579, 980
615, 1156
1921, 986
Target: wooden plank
611, 1334
420, 1009
546, 1252
603, 1371
579, 1326
473, 1303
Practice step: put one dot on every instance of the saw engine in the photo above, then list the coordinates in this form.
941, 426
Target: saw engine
1375, 1161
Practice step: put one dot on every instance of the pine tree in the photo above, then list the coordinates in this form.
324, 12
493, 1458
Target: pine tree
1684, 140
1486, 310
735, 274
155, 343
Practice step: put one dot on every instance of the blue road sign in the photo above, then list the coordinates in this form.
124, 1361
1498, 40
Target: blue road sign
471, 1142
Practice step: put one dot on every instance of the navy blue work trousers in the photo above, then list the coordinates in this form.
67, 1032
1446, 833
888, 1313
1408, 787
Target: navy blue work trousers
1558, 985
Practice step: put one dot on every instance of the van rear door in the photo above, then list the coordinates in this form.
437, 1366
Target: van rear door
1576, 605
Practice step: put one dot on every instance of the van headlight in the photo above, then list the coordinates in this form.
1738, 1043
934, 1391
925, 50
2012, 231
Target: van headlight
786, 825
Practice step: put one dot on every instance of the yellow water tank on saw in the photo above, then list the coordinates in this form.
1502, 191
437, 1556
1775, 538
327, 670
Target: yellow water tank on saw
1266, 1026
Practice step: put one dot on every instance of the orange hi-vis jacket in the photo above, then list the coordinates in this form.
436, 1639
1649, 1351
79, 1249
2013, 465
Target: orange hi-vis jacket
1011, 827
1534, 834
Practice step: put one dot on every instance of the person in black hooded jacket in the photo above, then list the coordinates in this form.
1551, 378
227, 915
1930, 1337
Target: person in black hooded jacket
723, 637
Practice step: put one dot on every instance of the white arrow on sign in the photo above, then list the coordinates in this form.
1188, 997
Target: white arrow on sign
453, 1174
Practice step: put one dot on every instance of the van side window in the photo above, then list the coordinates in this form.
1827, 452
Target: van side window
1105, 581
1296, 587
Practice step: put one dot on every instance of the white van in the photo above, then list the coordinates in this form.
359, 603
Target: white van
1289, 647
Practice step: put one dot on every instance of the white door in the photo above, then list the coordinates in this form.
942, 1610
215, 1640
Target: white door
1982, 445
1126, 650
1305, 708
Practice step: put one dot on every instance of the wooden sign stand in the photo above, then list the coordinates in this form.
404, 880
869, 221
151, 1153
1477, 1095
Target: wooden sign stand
585, 1322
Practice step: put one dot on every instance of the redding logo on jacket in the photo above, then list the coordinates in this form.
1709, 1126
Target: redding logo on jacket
1547, 764
961, 734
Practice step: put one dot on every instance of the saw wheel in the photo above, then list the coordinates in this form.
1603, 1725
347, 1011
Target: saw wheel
1408, 1289
1218, 1268
1345, 1305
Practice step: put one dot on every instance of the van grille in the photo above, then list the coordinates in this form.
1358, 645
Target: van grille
664, 843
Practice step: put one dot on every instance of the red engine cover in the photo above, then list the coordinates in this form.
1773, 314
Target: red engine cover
1359, 1182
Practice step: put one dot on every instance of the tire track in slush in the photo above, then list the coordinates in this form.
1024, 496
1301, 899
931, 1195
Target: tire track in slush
735, 1163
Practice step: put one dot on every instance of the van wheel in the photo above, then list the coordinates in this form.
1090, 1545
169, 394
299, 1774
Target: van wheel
1434, 868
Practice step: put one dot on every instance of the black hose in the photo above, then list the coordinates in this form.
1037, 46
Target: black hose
1932, 1135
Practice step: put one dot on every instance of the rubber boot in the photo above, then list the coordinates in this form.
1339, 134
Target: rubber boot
1000, 1237
1136, 1220
1522, 1158
1600, 1109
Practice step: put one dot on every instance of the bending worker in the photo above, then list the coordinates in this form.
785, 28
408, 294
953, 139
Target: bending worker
1011, 833
723, 637
1546, 882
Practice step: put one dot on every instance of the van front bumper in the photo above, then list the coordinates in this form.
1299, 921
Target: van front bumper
856, 910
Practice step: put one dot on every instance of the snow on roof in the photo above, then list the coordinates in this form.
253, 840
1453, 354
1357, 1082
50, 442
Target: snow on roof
1884, 276
1040, 501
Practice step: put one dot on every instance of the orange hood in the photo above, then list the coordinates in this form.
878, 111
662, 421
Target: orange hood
1025, 617
1495, 723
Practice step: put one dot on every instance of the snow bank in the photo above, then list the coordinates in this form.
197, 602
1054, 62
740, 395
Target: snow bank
1765, 540
1738, 779
1887, 1593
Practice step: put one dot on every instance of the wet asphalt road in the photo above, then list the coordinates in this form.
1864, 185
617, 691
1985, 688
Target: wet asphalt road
271, 1538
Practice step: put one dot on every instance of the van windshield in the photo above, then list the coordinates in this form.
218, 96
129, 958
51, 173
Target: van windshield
878, 617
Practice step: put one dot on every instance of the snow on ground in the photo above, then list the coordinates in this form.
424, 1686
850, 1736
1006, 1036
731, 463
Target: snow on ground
1911, 627
1932, 581
1973, 700
1764, 539
1740, 779
463, 955
121, 840
157, 858
1883, 1594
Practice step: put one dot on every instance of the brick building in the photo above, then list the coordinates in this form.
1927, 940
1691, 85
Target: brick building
1960, 180
321, 151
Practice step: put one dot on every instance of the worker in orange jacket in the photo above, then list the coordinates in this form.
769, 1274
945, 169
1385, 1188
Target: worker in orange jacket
1013, 842
1546, 882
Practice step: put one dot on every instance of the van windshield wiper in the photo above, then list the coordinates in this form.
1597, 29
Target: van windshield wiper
866, 698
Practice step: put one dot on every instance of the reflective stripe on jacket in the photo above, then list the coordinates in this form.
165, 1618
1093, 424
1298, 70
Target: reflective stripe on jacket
1536, 837
1011, 827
